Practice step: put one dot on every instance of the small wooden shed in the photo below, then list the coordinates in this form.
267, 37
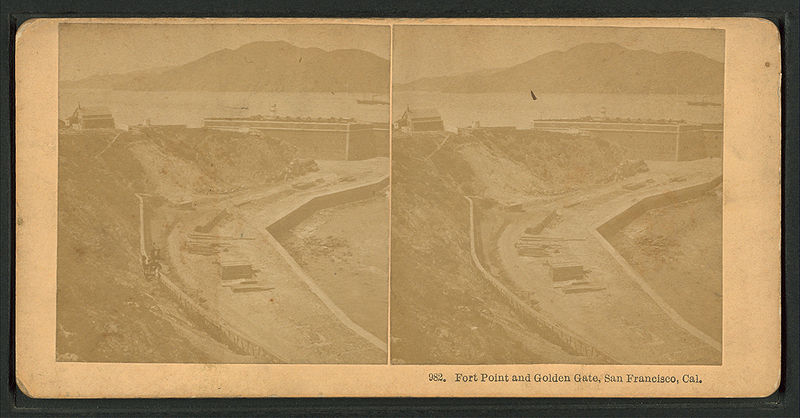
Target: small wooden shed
565, 269
420, 120
234, 268
92, 118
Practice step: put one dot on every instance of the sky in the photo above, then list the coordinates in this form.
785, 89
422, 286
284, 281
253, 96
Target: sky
87, 49
427, 51
93, 49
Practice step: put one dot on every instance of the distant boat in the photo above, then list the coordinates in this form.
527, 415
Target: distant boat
533, 96
703, 103
372, 101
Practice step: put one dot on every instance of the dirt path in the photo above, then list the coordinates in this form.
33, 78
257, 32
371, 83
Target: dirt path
291, 317
562, 334
622, 320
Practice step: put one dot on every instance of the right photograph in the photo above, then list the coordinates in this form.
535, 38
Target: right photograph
556, 195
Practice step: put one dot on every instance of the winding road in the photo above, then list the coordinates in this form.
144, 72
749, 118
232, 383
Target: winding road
292, 318
627, 319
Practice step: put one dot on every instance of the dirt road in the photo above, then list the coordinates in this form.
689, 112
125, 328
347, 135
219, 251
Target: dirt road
624, 319
291, 317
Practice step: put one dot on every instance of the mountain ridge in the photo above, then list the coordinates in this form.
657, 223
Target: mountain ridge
613, 69
275, 66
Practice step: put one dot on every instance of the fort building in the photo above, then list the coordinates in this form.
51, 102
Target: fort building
663, 140
91, 118
317, 138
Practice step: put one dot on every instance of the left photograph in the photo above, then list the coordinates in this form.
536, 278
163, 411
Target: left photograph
223, 193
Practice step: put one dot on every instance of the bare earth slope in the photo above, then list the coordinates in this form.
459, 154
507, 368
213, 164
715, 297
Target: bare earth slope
677, 249
106, 310
518, 180
345, 249
443, 311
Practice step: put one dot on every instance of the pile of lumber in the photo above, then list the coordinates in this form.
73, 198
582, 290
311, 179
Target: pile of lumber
582, 286
245, 286
213, 222
207, 244
533, 245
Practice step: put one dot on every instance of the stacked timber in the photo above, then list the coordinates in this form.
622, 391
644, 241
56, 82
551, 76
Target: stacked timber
582, 287
534, 245
204, 244
537, 250
539, 227
213, 222
246, 286
208, 244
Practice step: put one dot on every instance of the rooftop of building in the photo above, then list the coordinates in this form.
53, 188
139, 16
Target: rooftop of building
93, 111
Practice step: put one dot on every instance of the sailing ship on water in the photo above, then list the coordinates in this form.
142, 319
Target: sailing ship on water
702, 102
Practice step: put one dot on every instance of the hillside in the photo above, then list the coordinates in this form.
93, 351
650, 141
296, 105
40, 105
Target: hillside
515, 166
104, 81
275, 66
443, 311
591, 68
107, 310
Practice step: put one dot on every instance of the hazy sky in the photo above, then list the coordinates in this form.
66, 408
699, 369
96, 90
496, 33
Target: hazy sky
91, 49
419, 50
424, 51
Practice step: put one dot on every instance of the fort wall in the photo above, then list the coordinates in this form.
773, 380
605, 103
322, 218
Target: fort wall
659, 141
616, 222
321, 139
316, 203
620, 220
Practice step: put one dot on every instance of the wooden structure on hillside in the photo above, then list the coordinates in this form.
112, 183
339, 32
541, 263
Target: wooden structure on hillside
91, 118
420, 120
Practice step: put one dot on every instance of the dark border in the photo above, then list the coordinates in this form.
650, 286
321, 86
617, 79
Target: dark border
785, 15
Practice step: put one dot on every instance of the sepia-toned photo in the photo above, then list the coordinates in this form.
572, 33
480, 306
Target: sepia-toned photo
223, 193
557, 195
319, 207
